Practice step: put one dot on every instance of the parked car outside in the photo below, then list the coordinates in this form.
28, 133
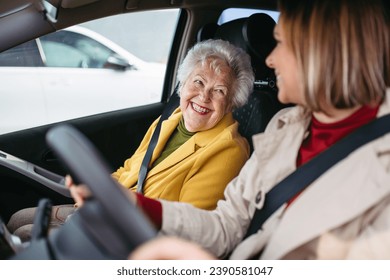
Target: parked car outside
72, 64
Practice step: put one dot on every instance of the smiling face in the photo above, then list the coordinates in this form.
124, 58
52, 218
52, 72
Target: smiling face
205, 96
283, 61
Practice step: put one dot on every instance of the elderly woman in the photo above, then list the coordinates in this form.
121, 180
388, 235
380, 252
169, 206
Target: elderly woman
199, 149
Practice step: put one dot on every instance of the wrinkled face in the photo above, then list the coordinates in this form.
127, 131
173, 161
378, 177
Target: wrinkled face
205, 97
283, 61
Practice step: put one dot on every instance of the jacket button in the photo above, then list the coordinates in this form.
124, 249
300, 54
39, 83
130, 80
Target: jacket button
258, 197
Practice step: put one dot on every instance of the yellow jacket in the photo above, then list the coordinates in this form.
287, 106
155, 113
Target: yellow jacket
198, 171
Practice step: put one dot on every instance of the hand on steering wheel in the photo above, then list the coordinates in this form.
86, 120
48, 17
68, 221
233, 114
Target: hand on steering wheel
79, 193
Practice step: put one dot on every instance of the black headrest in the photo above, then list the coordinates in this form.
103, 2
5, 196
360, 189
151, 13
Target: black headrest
253, 34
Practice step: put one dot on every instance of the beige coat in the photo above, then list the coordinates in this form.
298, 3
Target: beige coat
345, 214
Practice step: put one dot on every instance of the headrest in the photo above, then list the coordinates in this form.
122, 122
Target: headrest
253, 34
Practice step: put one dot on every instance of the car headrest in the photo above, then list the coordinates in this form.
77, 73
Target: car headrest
253, 34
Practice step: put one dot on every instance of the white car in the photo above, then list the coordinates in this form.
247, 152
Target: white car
49, 73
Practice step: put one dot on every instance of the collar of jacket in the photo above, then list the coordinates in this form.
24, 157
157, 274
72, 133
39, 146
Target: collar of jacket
201, 138
276, 149
198, 140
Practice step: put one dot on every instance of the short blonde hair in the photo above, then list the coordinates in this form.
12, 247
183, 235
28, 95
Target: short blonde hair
342, 48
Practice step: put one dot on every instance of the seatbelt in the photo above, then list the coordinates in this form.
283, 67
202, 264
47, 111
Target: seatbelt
171, 105
310, 171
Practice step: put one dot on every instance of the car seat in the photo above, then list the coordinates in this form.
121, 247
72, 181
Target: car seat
253, 34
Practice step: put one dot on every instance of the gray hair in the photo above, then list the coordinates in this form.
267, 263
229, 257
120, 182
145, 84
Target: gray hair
219, 50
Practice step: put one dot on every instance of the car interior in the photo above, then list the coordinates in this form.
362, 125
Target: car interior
34, 161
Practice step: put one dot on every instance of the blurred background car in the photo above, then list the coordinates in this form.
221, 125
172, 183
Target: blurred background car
50, 73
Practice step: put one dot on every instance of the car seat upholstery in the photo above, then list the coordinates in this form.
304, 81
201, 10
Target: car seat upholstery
253, 34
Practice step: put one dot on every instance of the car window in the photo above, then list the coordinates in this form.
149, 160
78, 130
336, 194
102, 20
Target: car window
99, 66
234, 13
67, 48
60, 55
26, 55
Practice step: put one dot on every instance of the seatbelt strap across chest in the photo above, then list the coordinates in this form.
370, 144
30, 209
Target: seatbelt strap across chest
169, 108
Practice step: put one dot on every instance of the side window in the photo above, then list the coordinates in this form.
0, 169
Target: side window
73, 48
24, 55
104, 65
234, 13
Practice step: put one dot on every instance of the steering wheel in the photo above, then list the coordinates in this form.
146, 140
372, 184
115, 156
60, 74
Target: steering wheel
108, 226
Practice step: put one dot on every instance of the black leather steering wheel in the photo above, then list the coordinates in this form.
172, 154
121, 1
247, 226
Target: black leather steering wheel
108, 226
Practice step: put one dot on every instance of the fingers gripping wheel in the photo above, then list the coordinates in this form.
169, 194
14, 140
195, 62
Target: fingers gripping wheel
87, 167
